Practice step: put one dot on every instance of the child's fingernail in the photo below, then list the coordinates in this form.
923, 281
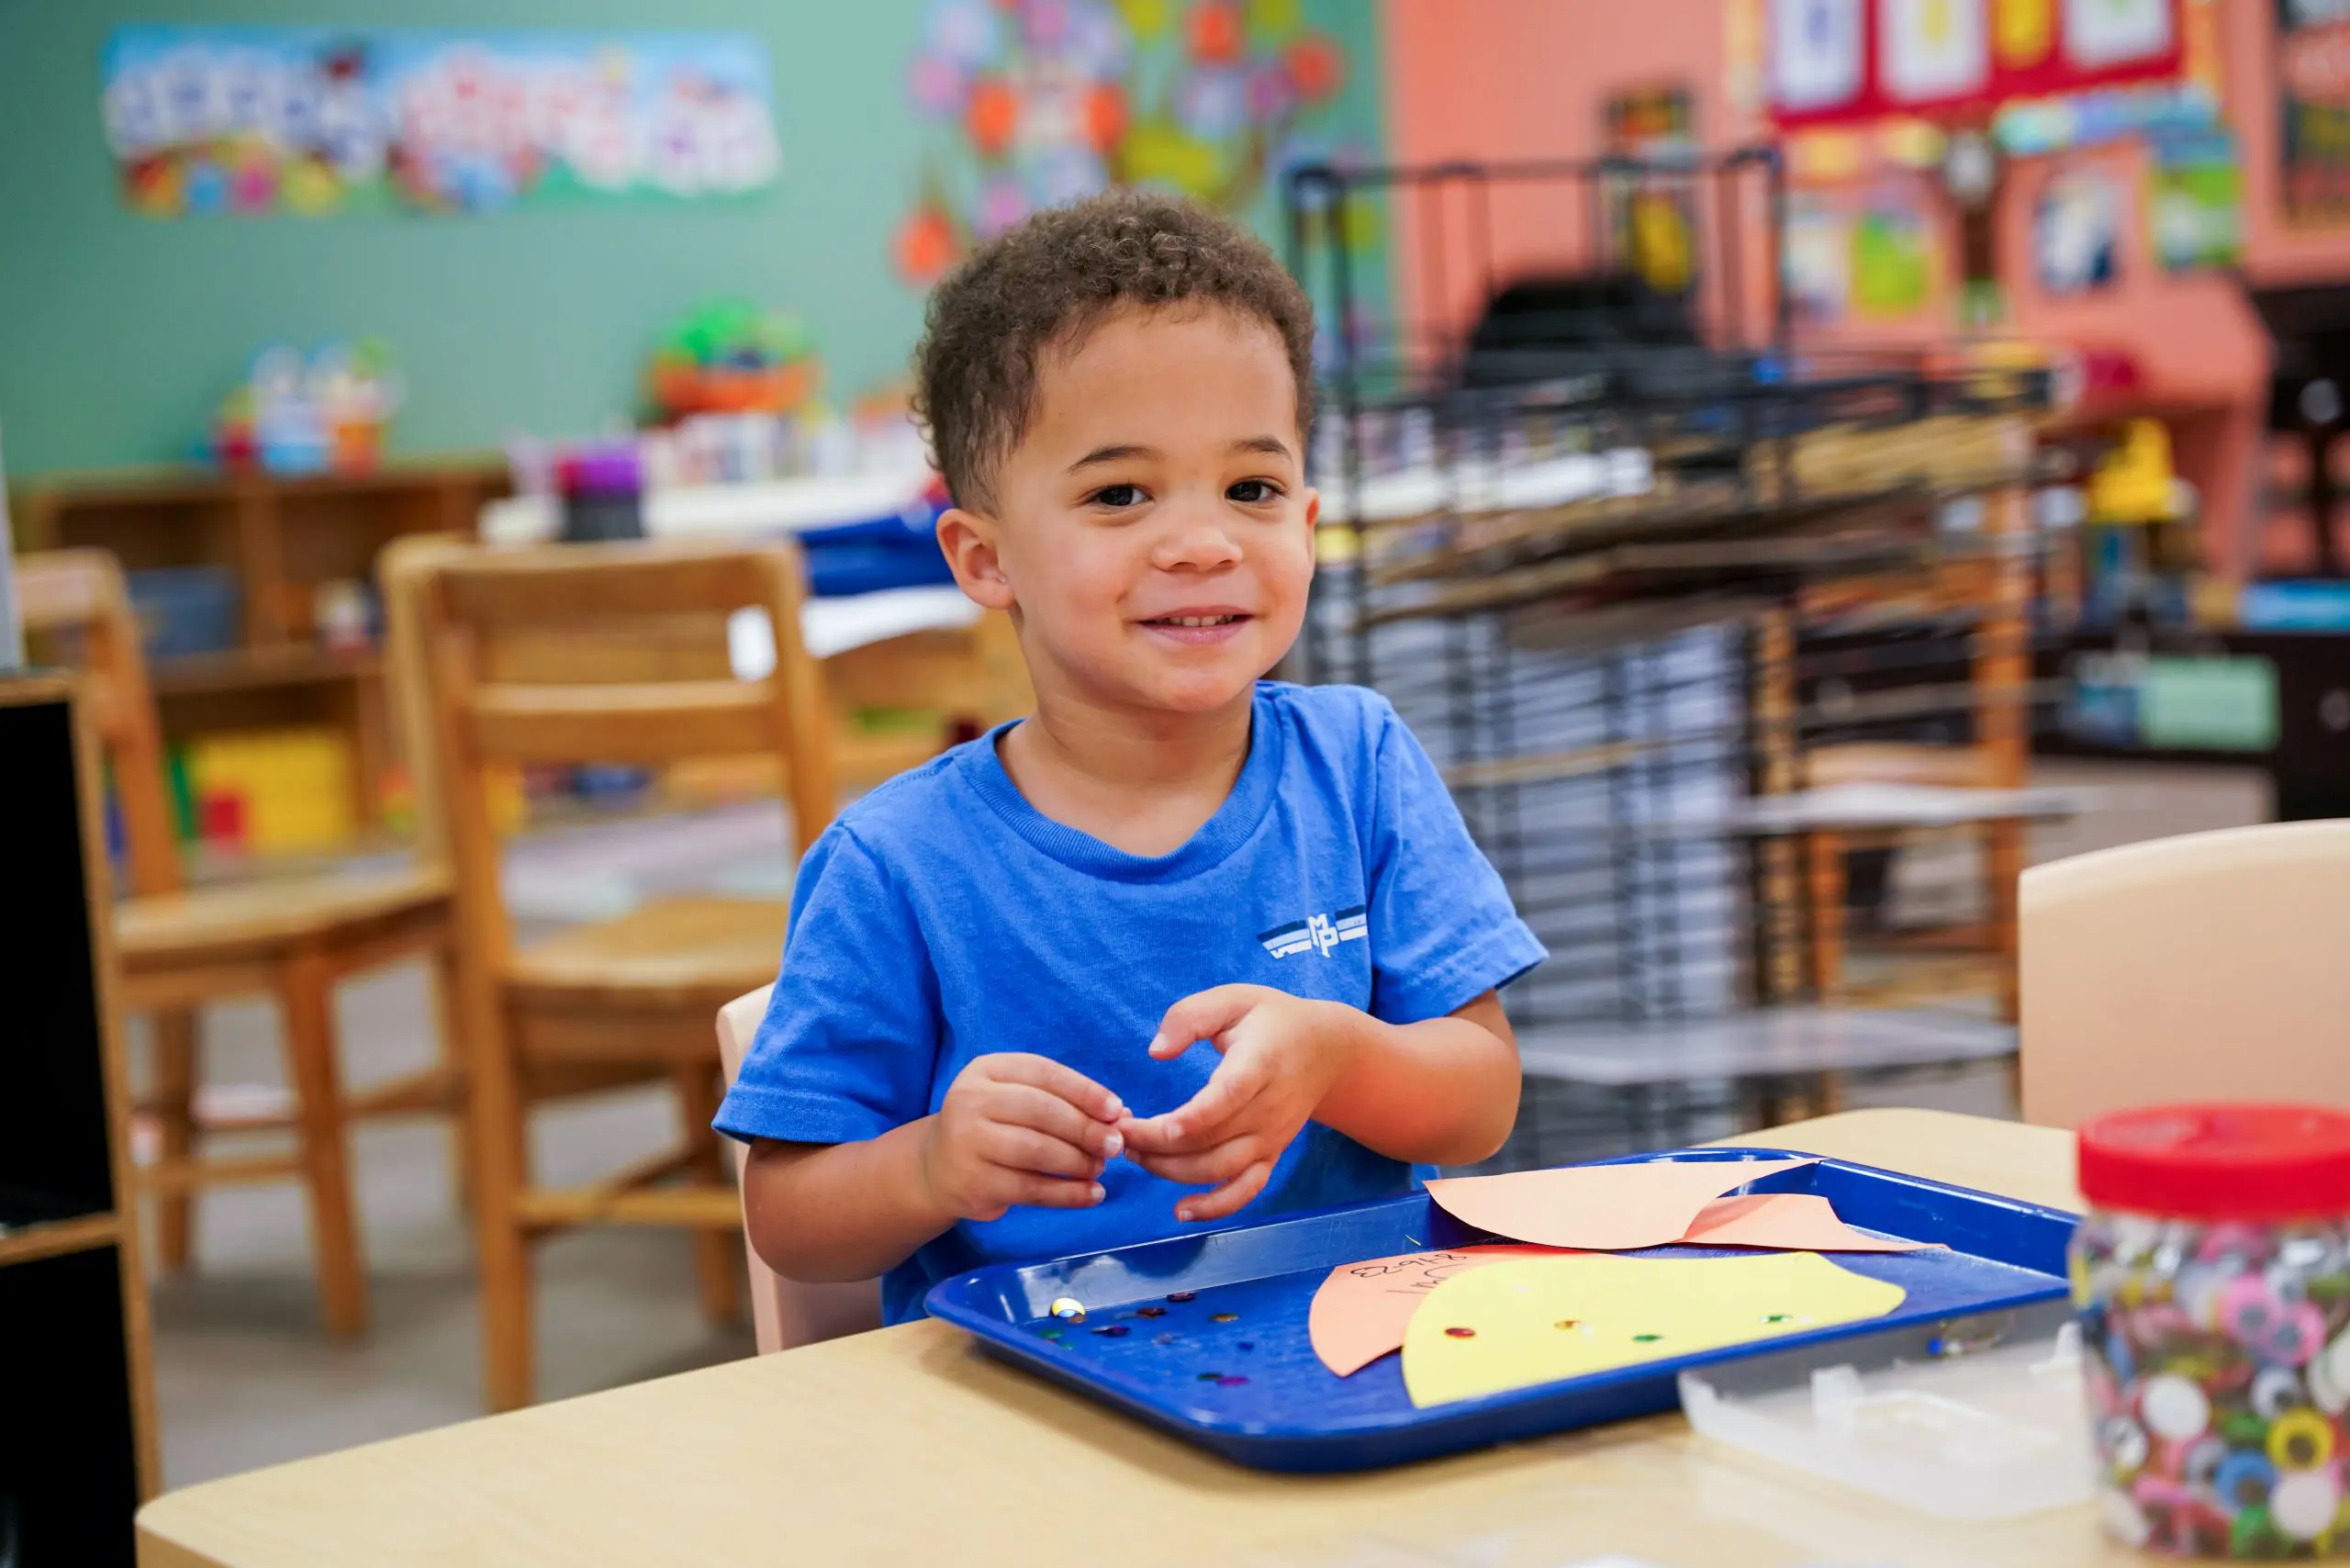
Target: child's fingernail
1114, 1147
1097, 1192
1174, 1129
1156, 1041
1118, 1108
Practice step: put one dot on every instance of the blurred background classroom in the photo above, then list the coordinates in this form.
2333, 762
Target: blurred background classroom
1796, 463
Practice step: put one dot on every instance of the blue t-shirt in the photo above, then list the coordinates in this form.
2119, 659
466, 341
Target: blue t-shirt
943, 917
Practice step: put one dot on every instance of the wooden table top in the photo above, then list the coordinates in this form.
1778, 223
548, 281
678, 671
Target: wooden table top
907, 1446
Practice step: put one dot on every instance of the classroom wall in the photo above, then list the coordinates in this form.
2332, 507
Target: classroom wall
120, 333
1527, 79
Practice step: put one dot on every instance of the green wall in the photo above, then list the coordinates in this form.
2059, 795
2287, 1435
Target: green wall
119, 333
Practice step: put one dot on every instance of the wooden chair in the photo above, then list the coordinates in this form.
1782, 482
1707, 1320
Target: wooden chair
613, 999
291, 939
2205, 967
784, 1313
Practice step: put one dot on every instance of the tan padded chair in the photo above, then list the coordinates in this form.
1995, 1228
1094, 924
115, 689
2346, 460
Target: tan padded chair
786, 1313
2208, 967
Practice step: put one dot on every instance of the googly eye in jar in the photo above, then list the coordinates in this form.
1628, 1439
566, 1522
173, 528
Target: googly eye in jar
2211, 1281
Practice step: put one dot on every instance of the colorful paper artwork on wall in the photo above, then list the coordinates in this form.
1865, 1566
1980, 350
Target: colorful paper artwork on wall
1041, 102
1893, 258
2195, 201
312, 120
1653, 220
2314, 93
2077, 233
1849, 59
1818, 260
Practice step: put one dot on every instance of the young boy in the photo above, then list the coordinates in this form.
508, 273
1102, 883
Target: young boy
1186, 942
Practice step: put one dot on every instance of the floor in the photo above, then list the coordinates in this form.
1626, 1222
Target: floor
246, 1378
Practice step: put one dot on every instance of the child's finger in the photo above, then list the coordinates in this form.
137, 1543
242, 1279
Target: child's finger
1054, 1077
1048, 1192
1208, 1167
1025, 1105
1203, 1015
1193, 1125
1230, 1198
1022, 1148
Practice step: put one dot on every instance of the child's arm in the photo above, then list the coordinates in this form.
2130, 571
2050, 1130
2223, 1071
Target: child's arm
1441, 1091
1013, 1129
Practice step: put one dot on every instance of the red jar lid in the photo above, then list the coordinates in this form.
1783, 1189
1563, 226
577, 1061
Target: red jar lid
2220, 1162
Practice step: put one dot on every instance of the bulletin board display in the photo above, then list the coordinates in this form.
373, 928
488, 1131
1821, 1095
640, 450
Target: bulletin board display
1832, 62
314, 121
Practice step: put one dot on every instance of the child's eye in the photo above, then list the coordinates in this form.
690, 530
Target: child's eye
1116, 496
1253, 492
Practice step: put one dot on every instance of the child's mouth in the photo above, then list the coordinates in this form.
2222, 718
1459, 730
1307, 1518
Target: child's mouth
1216, 626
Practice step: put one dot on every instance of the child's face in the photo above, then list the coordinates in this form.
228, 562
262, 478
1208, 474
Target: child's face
1160, 485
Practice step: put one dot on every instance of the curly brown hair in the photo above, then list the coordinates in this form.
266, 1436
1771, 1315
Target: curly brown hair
1043, 286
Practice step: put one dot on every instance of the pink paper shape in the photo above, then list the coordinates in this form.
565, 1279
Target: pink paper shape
1599, 1208
1791, 1222
1359, 1313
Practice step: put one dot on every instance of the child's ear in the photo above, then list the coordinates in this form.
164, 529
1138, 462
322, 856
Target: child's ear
967, 541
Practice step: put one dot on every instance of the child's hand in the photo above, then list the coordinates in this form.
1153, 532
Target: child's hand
1282, 1053
1016, 1128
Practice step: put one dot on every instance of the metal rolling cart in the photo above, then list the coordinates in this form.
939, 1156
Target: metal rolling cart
1592, 547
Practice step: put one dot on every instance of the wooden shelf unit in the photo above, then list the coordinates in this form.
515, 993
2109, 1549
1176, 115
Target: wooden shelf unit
283, 538
77, 1434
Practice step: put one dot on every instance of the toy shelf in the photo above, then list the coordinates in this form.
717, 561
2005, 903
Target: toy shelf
281, 540
77, 1444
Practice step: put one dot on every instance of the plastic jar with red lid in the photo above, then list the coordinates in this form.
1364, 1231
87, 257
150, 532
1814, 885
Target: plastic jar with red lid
2211, 1276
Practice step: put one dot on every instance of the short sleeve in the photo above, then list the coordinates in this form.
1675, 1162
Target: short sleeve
1443, 931
850, 1039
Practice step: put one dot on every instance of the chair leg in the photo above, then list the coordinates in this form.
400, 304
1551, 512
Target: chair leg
449, 1016
718, 1254
175, 1076
502, 1167
307, 994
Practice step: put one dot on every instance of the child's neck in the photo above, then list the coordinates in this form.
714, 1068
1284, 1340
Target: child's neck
1143, 782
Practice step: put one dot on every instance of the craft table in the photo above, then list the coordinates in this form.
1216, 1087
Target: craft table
906, 1446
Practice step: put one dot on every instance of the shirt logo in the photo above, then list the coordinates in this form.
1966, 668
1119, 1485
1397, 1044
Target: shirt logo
1318, 932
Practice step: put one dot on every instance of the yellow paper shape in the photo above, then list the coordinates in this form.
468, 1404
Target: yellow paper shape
1546, 1318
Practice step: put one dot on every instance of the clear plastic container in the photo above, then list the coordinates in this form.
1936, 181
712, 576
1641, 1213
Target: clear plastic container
2212, 1283
1978, 1421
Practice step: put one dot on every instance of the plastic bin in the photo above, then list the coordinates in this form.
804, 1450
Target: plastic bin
184, 610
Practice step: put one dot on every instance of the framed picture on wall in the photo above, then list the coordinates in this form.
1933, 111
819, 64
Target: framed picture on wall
2077, 233
2313, 97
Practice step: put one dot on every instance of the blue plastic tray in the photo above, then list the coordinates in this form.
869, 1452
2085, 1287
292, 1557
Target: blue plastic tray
1291, 1413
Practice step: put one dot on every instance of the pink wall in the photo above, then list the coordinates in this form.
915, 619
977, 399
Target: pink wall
1500, 79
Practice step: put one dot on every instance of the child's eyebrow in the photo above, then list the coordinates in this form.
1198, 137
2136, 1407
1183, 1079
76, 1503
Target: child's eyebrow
1272, 445
1117, 454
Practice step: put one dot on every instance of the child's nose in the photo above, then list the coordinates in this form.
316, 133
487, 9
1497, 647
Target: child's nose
1195, 542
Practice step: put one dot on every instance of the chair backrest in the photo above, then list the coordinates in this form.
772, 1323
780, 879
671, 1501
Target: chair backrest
2205, 967
565, 654
74, 605
785, 1313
